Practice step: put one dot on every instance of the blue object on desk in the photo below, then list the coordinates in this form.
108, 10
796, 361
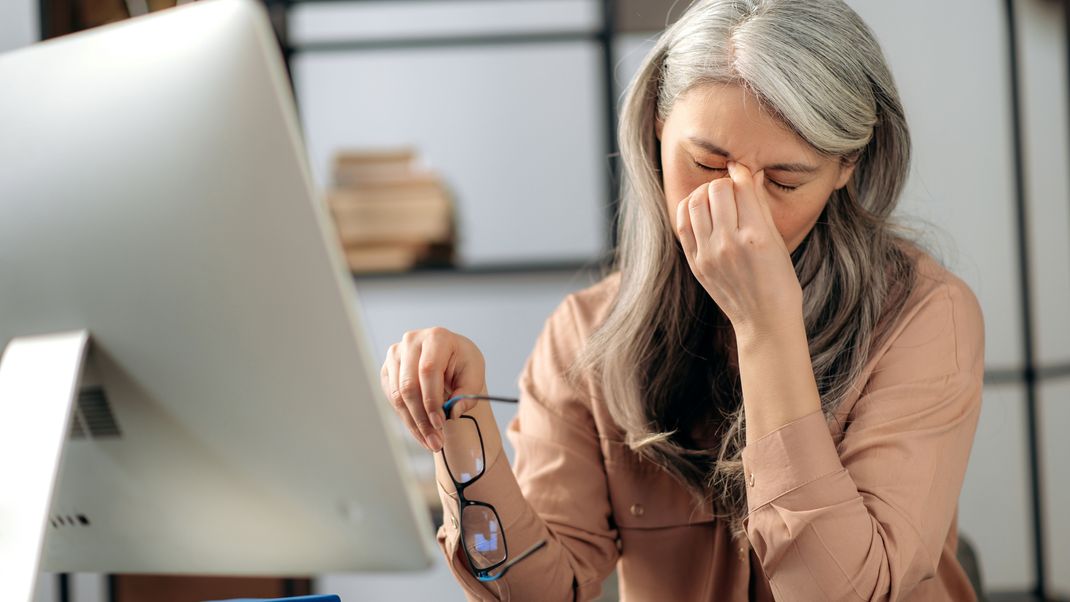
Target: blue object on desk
327, 598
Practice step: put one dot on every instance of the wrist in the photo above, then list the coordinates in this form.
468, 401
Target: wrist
785, 326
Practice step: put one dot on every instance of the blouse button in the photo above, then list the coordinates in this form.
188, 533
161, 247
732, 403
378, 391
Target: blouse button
637, 510
742, 553
750, 481
453, 521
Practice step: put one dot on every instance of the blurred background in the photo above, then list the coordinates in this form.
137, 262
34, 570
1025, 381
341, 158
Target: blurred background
490, 125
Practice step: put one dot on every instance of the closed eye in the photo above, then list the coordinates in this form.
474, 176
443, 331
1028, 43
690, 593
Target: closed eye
773, 182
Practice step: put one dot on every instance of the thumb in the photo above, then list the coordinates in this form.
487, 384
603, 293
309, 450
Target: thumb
461, 406
464, 379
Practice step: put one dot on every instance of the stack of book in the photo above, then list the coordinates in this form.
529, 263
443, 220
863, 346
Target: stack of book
391, 214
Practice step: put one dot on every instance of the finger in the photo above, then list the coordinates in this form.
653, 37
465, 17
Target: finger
723, 203
747, 205
406, 419
698, 208
432, 365
466, 373
461, 405
409, 383
683, 228
396, 400
466, 405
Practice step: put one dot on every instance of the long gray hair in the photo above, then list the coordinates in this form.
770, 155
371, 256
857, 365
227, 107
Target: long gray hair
659, 357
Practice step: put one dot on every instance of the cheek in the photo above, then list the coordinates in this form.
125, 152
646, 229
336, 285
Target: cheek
679, 181
795, 218
787, 221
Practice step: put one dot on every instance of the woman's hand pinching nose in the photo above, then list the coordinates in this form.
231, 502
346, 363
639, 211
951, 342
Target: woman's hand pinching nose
733, 247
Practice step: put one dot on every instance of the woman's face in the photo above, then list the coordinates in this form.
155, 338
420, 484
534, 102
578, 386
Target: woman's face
714, 123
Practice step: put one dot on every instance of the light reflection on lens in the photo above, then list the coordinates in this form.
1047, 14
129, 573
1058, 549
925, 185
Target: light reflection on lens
482, 535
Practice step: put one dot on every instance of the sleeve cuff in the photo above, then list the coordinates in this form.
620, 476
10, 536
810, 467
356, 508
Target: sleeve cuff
793, 455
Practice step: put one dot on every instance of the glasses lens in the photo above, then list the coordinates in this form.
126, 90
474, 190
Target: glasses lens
483, 536
462, 449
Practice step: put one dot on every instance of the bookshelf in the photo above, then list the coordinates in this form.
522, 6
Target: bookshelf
600, 36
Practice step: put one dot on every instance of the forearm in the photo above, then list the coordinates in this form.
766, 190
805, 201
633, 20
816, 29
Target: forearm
776, 375
548, 571
551, 572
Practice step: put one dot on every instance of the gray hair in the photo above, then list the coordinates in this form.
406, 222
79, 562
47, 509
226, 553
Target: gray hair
659, 356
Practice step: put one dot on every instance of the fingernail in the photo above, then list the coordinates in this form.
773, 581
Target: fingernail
437, 420
435, 441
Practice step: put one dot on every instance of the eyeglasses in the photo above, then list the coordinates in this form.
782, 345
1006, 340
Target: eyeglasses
481, 532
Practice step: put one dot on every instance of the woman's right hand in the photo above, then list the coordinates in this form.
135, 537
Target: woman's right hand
422, 371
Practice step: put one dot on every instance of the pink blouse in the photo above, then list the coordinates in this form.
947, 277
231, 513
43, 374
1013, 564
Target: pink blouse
861, 507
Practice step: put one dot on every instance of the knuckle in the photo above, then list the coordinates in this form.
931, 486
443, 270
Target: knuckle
409, 337
396, 400
409, 388
438, 332
427, 367
721, 185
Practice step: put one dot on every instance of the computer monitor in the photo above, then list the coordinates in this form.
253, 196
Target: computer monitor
155, 199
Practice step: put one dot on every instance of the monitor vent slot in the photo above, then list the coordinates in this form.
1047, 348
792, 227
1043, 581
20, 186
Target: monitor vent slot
93, 417
67, 520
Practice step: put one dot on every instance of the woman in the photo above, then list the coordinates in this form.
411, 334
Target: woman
775, 393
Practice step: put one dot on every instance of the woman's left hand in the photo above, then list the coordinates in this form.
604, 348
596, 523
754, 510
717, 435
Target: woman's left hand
736, 252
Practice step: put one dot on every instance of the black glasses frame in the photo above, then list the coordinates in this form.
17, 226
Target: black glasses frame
483, 574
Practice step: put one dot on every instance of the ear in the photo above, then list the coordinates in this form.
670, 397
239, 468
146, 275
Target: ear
847, 169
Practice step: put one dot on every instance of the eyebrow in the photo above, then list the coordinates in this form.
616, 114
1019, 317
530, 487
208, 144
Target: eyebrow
713, 148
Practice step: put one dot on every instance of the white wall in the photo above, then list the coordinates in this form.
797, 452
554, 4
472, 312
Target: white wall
18, 24
525, 161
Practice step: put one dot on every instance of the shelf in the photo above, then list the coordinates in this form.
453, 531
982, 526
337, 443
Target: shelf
593, 265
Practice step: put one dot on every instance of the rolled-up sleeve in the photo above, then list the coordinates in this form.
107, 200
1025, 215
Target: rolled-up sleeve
556, 489
866, 519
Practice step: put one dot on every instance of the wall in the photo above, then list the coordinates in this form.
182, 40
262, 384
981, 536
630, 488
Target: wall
18, 24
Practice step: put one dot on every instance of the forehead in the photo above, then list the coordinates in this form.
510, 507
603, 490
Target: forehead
733, 119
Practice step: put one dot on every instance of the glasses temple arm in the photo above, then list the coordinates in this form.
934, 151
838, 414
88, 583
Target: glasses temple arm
446, 407
501, 573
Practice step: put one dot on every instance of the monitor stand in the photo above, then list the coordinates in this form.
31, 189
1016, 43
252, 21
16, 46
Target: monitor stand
39, 379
